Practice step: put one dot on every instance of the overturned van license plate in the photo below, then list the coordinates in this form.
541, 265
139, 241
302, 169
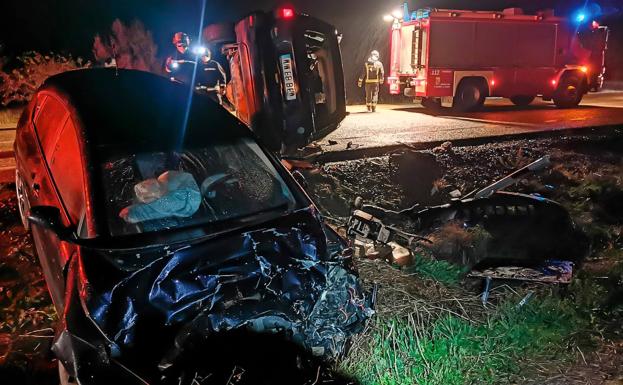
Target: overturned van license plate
288, 77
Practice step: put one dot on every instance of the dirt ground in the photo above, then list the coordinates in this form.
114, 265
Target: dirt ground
586, 177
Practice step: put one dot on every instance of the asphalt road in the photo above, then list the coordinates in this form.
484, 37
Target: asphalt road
412, 124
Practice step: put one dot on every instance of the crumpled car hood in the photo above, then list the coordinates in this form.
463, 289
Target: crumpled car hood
289, 277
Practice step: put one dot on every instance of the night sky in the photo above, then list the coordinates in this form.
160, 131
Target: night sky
69, 25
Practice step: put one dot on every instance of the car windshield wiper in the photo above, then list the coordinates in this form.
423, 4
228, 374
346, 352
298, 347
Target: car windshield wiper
259, 216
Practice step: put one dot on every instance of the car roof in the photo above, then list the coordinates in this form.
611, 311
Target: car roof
140, 111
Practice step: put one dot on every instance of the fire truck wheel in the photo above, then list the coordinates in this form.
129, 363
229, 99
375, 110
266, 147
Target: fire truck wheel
570, 91
470, 95
522, 100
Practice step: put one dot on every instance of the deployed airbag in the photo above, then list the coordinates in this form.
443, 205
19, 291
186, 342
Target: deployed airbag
173, 194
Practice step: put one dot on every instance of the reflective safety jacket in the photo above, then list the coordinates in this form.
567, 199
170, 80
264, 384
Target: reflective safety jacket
373, 72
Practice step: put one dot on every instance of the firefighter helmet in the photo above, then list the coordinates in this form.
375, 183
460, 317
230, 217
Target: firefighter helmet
374, 55
181, 41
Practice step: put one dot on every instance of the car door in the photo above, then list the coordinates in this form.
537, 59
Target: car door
59, 184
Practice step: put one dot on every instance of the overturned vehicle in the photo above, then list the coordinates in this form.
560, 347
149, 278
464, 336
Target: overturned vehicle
279, 72
162, 225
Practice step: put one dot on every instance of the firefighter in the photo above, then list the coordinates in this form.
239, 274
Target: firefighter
181, 41
373, 76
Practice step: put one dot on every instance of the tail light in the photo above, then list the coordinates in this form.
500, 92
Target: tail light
285, 13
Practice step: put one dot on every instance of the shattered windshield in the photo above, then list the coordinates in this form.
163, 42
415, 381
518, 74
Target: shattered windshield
156, 191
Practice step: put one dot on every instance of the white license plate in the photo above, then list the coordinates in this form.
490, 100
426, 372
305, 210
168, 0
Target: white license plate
288, 77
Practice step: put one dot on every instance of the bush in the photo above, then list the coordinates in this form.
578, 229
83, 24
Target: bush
131, 47
18, 85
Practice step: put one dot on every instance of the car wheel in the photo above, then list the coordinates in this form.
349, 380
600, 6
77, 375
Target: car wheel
64, 377
470, 95
22, 200
522, 100
569, 92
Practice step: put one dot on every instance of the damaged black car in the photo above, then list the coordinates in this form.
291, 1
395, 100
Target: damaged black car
176, 238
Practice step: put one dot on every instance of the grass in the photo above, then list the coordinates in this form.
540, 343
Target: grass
444, 272
10, 116
455, 350
432, 332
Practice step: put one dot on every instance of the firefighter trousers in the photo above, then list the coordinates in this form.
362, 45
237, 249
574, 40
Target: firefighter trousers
372, 94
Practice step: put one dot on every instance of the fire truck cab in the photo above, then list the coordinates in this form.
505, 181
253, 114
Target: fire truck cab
458, 58
595, 39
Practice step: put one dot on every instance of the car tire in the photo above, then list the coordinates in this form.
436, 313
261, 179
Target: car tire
522, 100
23, 204
64, 377
570, 91
470, 95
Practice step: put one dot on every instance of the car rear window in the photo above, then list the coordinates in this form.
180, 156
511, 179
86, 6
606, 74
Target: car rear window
156, 191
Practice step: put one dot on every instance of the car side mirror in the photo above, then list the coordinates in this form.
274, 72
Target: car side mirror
49, 218
300, 178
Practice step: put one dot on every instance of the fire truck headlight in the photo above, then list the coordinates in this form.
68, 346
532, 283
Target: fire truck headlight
397, 14
388, 18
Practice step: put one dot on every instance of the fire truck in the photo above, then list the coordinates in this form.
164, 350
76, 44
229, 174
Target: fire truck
457, 58
284, 76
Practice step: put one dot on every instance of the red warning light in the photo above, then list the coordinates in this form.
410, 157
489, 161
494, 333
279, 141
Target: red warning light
286, 13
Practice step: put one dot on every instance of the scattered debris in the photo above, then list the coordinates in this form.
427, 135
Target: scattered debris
352, 146
455, 194
546, 272
525, 300
400, 256
512, 179
332, 142
445, 147
527, 227
417, 172
485, 293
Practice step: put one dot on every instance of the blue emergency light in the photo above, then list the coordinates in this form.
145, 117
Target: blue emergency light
421, 13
